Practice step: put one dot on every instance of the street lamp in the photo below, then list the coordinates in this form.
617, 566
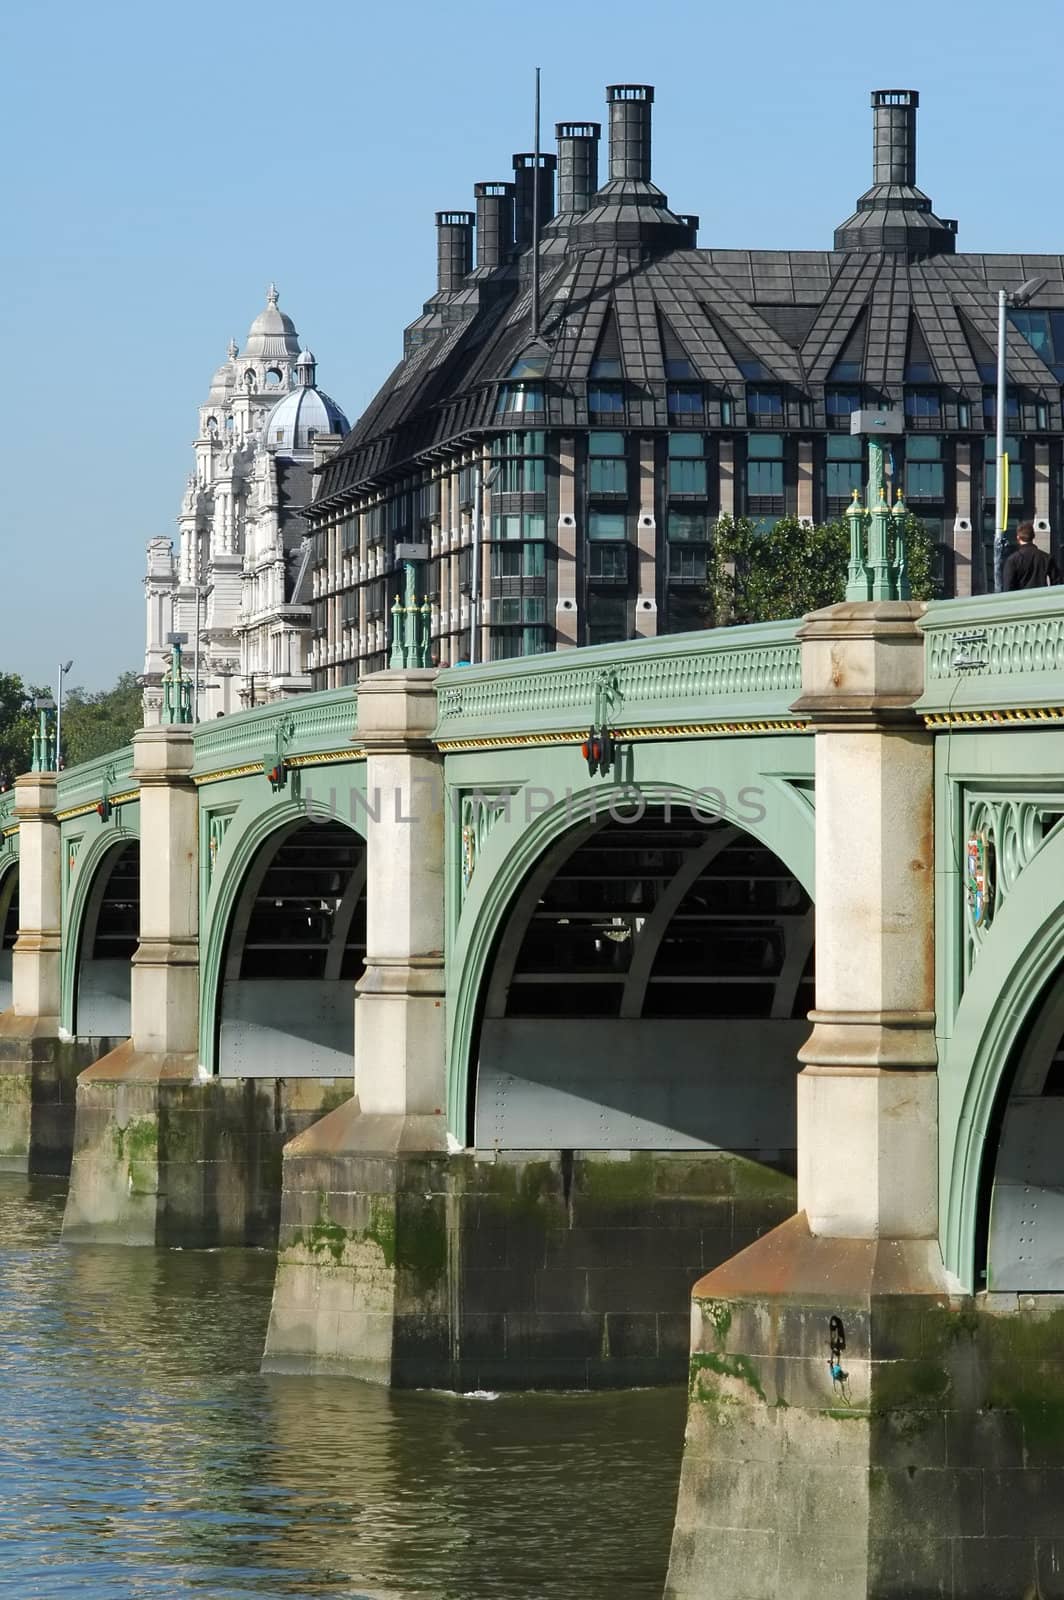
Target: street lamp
1019, 297
64, 668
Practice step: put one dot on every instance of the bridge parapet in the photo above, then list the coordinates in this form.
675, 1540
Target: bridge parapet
996, 659
81, 787
305, 730
722, 680
8, 820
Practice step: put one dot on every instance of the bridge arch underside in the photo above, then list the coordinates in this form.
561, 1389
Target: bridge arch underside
1021, 1223
107, 939
8, 931
648, 991
295, 948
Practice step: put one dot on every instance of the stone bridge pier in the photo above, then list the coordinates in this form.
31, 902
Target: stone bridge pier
858, 1427
38, 1064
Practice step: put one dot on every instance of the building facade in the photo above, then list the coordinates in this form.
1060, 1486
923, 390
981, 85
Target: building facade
562, 443
238, 584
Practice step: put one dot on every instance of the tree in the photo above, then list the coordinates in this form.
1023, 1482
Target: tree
16, 726
793, 569
95, 724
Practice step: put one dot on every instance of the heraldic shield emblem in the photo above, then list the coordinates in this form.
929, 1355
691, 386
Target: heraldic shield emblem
980, 878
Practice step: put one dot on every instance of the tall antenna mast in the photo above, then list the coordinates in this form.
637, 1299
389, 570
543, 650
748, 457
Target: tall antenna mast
535, 219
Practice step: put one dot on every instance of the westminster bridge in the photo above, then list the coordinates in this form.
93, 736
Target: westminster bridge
495, 990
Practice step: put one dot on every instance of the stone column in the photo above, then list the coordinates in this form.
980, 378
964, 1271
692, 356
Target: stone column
566, 610
800, 1456
646, 604
727, 477
399, 1032
35, 958
805, 480
140, 1172
165, 983
363, 1250
962, 522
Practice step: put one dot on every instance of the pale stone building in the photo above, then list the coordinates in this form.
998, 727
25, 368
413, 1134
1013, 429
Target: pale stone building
239, 577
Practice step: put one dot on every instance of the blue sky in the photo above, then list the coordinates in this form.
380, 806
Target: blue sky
165, 162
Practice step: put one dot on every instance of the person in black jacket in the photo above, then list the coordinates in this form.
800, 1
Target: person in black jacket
1028, 567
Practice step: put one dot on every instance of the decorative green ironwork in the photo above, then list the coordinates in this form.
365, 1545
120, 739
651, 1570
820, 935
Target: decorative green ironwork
42, 753
873, 574
411, 623
177, 691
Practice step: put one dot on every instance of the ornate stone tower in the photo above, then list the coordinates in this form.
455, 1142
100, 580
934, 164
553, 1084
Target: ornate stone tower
234, 583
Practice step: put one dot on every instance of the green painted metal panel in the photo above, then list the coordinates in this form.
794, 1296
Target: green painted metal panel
995, 653
722, 675
309, 725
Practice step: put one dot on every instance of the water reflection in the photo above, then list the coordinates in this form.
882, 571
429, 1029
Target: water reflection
142, 1454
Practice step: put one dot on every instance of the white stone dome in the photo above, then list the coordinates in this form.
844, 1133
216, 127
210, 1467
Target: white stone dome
272, 336
298, 417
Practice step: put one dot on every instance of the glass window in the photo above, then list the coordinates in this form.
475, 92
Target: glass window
687, 564
751, 368
533, 365
607, 618
687, 477
765, 403
765, 446
605, 397
679, 367
964, 414
607, 476
764, 477
924, 480
606, 367
605, 444
922, 403
607, 525
519, 475
686, 444
842, 478
842, 402
520, 397
920, 372
518, 444
926, 449
609, 562
727, 413
844, 447
519, 525
846, 371
684, 402
687, 526
1012, 406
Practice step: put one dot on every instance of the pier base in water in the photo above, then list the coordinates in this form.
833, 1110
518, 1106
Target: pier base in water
403, 1263
38, 1082
164, 1157
930, 1464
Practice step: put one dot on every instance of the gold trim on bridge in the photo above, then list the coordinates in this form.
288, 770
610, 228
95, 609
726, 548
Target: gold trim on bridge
90, 805
316, 758
1001, 717
682, 730
9, 832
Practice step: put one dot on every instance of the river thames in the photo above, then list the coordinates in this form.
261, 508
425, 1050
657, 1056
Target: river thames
143, 1454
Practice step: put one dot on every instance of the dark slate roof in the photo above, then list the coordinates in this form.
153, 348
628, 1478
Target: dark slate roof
792, 311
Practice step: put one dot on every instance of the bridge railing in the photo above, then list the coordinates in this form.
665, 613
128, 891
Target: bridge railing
995, 658
720, 680
312, 724
7, 809
88, 782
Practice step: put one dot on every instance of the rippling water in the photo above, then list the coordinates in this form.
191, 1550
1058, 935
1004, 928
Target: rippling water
142, 1453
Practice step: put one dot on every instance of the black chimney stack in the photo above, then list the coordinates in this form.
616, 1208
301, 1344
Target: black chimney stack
894, 139
454, 249
577, 165
630, 105
495, 223
894, 214
524, 179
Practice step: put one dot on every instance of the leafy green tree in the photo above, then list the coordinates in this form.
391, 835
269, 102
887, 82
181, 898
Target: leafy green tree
16, 726
793, 569
95, 724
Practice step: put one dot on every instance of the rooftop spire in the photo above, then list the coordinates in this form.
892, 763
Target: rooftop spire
271, 295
